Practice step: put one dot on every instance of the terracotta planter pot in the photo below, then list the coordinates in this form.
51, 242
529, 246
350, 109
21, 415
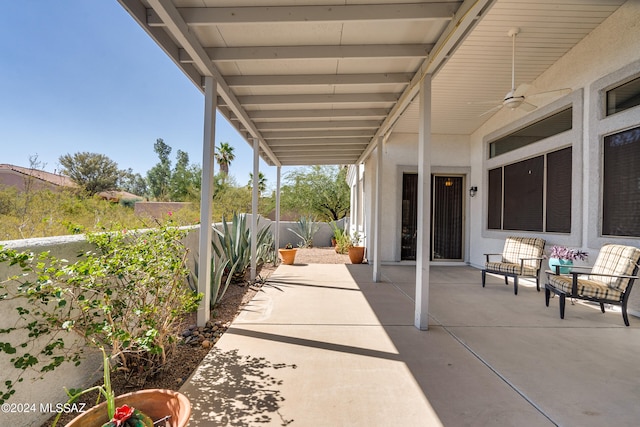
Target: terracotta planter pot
356, 254
288, 256
156, 403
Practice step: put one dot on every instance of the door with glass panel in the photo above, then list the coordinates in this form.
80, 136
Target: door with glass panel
447, 219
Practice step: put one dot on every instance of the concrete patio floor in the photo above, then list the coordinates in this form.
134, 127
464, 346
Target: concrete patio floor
322, 345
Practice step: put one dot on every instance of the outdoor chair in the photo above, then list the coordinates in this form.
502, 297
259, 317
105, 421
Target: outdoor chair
609, 281
521, 257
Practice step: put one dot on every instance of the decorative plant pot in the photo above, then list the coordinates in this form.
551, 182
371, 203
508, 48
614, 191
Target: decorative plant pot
356, 254
155, 403
288, 256
565, 264
333, 241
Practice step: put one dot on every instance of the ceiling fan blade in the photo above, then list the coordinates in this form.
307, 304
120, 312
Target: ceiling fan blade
557, 92
521, 90
527, 106
494, 109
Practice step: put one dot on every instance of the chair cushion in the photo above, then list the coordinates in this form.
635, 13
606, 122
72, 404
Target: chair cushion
509, 268
586, 288
516, 248
615, 260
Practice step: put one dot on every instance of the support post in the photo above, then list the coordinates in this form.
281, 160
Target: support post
276, 237
206, 198
421, 320
254, 208
377, 226
356, 200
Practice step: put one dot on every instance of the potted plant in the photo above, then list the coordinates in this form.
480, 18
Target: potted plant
288, 254
340, 240
561, 258
137, 409
356, 252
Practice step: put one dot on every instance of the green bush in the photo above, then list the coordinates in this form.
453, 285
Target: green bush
128, 297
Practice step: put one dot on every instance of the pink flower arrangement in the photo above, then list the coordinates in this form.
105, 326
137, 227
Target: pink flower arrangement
562, 252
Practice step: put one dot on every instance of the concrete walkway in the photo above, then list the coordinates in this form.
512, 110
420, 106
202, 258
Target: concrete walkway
322, 345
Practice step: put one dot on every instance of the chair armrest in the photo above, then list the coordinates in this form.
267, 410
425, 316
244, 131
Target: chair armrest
619, 276
574, 284
522, 260
488, 255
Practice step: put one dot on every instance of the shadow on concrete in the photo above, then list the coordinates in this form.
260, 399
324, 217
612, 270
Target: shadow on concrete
233, 390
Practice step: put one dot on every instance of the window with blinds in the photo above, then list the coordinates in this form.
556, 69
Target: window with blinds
621, 184
521, 199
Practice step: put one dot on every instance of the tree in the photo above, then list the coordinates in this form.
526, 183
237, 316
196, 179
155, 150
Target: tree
133, 183
321, 191
262, 182
185, 179
224, 157
159, 176
91, 171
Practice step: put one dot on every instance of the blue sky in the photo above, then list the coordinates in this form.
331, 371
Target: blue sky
82, 75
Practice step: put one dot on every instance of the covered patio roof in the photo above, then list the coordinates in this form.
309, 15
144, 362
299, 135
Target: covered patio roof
325, 82
317, 81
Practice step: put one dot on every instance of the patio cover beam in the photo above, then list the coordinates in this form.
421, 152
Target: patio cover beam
168, 13
300, 134
268, 115
319, 79
318, 142
284, 53
350, 124
264, 14
313, 98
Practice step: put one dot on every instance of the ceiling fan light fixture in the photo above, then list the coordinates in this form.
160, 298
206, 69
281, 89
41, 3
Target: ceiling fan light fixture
513, 102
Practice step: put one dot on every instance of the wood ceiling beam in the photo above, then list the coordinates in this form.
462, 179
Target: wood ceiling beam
384, 98
367, 51
311, 135
321, 125
283, 152
197, 16
323, 142
266, 115
319, 79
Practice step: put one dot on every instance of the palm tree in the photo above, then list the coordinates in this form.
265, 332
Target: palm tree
224, 157
262, 182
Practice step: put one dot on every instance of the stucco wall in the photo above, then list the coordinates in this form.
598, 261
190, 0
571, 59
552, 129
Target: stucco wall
450, 155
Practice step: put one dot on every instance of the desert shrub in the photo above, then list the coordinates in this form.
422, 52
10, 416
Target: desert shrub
45, 213
306, 228
127, 296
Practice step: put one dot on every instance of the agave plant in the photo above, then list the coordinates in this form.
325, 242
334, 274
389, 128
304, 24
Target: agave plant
306, 228
232, 255
234, 244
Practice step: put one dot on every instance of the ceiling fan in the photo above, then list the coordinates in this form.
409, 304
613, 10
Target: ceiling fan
515, 97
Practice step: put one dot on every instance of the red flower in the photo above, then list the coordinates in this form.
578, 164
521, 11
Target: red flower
122, 414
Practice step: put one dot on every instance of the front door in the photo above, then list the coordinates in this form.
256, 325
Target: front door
447, 218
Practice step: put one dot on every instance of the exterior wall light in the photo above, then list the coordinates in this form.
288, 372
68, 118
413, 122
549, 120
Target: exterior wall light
473, 191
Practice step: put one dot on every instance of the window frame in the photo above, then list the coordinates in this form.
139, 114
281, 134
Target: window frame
571, 138
601, 126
